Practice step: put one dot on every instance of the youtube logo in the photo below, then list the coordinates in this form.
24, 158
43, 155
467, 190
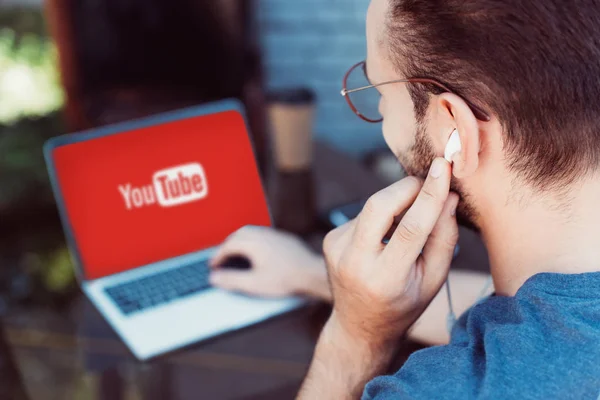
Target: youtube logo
170, 187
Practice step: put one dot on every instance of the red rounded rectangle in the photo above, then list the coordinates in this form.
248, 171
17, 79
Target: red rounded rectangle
158, 192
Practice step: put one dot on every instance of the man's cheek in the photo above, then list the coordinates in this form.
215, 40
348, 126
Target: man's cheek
395, 140
388, 134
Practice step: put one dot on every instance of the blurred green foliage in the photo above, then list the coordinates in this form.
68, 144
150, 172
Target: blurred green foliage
60, 271
24, 20
29, 76
23, 175
30, 101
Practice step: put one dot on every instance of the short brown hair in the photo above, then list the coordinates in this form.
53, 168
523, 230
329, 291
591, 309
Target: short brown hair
533, 64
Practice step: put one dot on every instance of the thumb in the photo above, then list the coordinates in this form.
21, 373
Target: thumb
232, 280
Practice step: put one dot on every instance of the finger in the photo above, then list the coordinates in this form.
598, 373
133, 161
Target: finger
378, 214
232, 280
418, 222
439, 249
238, 243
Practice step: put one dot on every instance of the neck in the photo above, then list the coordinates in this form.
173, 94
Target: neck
537, 233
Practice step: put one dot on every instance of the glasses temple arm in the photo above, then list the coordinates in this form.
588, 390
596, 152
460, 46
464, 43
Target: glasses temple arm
479, 113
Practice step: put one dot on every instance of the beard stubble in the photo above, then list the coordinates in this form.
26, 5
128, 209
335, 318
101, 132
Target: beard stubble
418, 163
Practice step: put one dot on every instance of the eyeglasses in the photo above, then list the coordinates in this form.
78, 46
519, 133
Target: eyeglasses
368, 100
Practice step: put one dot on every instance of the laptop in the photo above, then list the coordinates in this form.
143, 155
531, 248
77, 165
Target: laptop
144, 205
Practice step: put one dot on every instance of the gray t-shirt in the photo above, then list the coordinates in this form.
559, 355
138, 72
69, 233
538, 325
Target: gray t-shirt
543, 343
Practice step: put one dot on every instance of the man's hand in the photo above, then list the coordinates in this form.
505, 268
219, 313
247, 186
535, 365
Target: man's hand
380, 290
282, 265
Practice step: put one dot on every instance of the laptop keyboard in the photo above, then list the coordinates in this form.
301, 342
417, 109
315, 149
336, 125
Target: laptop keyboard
160, 288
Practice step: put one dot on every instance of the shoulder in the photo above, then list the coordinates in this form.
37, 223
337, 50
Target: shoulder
538, 344
436, 372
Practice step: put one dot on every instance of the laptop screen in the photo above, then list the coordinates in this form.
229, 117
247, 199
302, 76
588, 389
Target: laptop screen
158, 192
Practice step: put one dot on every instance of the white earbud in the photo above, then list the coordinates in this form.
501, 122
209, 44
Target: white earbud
453, 146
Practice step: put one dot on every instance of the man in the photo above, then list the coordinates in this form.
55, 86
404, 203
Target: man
519, 81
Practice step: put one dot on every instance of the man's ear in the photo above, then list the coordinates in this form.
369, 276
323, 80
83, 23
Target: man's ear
454, 113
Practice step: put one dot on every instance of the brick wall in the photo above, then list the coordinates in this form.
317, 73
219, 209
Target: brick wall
313, 43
